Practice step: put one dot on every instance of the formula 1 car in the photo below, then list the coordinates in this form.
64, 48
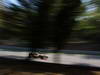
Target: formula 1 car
37, 56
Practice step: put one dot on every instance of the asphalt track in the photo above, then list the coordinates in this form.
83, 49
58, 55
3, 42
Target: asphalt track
59, 58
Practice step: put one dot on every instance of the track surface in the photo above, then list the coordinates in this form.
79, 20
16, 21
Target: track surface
69, 59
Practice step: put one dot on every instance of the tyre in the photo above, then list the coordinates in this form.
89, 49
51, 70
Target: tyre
43, 57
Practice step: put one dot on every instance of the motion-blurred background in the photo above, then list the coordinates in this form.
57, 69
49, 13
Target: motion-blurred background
52, 24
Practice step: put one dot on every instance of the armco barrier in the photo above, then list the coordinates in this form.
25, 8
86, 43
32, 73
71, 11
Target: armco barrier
22, 49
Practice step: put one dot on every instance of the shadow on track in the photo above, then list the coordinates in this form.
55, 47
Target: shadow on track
20, 66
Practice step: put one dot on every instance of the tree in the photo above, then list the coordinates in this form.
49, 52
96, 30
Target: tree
53, 22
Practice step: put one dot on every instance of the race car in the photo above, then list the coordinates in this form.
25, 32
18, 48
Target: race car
37, 55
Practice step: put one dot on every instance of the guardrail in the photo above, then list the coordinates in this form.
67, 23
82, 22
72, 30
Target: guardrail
22, 49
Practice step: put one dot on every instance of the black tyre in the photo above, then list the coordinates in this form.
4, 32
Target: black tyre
43, 57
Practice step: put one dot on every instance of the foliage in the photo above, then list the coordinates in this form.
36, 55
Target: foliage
42, 21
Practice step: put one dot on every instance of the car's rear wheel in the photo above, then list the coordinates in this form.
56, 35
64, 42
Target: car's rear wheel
43, 57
